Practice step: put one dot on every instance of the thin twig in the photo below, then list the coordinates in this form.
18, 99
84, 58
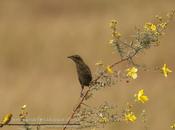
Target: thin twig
39, 124
75, 110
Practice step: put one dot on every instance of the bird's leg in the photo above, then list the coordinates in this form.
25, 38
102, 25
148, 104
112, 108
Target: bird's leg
81, 94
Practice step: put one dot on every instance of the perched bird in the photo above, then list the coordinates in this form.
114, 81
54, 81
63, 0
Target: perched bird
83, 71
6, 119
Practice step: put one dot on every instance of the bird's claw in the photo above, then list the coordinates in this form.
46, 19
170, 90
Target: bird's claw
81, 94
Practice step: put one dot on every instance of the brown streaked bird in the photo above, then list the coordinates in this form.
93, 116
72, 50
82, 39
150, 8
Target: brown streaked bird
83, 71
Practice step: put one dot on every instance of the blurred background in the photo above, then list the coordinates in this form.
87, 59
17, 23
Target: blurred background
36, 37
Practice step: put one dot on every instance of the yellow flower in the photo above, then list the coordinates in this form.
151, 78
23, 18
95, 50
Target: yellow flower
132, 72
150, 27
166, 70
24, 107
6, 119
23, 114
113, 24
130, 117
109, 69
172, 126
153, 27
141, 97
103, 119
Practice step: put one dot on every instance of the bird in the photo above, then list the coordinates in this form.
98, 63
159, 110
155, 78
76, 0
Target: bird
6, 119
83, 71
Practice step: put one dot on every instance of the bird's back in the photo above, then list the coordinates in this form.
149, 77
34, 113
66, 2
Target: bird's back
84, 74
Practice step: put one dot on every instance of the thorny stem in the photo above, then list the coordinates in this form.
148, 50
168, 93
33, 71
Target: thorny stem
84, 97
116, 63
75, 110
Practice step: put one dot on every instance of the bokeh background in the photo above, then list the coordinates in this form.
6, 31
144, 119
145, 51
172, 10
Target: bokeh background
36, 36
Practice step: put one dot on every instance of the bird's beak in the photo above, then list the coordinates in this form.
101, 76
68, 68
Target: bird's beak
69, 57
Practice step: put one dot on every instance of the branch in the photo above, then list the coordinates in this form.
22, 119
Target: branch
75, 110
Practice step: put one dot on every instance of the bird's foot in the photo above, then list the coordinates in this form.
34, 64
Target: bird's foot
81, 94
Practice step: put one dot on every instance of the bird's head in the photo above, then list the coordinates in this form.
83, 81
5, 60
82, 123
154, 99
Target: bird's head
76, 58
9, 115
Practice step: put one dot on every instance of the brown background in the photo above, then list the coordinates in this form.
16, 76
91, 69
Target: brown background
36, 36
